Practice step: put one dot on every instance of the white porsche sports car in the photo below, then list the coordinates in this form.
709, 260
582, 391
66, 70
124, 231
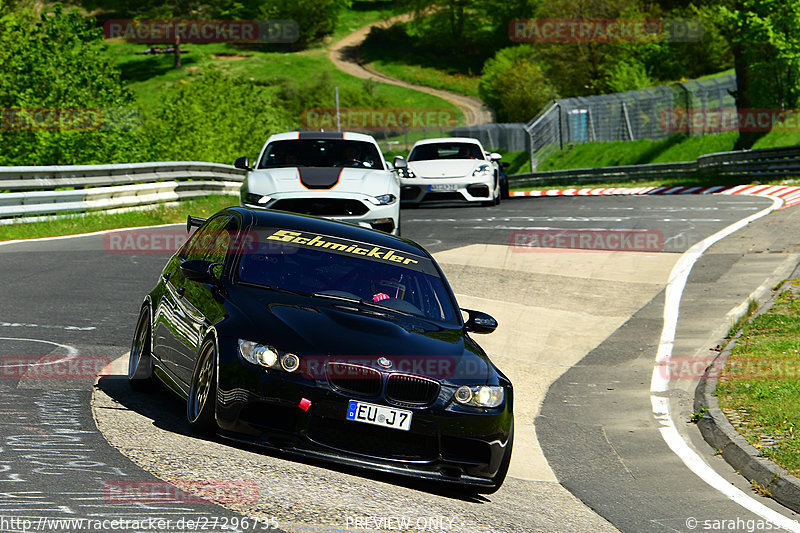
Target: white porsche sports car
450, 169
341, 176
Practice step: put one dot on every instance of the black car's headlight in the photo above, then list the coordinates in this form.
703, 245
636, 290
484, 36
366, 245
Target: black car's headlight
267, 356
483, 170
480, 395
383, 199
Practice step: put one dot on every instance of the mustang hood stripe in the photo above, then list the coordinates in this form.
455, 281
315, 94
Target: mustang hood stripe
319, 177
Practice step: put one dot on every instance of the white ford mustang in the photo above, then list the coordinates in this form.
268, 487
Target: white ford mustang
341, 176
450, 169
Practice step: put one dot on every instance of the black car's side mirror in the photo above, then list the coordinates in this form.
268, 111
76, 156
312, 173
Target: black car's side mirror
243, 163
399, 162
479, 322
198, 270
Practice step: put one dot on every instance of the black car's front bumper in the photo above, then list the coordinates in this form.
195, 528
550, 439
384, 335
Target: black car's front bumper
446, 442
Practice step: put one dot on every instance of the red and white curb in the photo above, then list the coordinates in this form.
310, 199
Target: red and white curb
790, 194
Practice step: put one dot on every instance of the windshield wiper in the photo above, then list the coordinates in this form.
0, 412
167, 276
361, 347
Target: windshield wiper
360, 301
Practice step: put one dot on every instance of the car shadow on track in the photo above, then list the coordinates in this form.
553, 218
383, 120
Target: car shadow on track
168, 413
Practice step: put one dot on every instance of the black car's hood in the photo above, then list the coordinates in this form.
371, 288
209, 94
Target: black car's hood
327, 329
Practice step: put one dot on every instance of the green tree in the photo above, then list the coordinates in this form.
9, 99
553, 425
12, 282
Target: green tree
55, 64
214, 117
764, 36
315, 18
514, 85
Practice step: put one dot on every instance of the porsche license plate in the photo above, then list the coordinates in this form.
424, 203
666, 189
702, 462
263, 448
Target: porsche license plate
443, 187
379, 415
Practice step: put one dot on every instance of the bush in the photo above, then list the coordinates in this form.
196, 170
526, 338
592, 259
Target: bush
316, 18
213, 117
54, 64
514, 85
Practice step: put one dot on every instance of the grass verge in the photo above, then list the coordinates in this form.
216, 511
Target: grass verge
88, 222
759, 389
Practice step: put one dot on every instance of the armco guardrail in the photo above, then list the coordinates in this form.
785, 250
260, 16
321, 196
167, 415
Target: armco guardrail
769, 163
59, 189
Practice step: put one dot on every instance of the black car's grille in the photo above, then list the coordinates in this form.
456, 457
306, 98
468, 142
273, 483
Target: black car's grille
374, 441
322, 206
461, 450
355, 379
411, 390
443, 197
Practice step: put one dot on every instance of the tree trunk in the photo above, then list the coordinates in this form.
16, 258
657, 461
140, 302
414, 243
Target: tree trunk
177, 52
744, 101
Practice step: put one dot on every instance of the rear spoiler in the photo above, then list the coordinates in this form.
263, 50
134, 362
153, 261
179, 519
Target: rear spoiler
194, 221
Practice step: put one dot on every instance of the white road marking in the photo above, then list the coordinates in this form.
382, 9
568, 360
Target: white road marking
71, 351
46, 326
659, 382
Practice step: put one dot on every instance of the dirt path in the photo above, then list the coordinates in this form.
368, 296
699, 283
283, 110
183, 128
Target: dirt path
346, 55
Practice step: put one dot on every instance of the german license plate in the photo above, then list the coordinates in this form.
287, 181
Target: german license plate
443, 187
379, 415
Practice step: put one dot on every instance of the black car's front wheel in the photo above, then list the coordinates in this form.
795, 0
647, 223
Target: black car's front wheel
203, 392
140, 364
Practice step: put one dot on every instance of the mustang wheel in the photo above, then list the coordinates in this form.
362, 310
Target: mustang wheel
203, 392
140, 364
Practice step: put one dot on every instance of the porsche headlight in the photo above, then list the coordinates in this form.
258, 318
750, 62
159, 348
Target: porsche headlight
480, 396
482, 170
384, 199
258, 354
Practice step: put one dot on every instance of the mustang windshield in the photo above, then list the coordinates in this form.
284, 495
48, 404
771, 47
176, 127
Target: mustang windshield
321, 153
337, 268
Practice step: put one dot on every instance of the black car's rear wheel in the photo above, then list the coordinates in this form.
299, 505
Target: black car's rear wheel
140, 363
203, 392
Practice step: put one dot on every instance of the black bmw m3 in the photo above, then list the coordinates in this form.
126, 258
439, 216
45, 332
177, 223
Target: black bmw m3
326, 340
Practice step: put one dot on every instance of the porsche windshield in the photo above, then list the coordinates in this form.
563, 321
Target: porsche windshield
340, 269
321, 153
451, 150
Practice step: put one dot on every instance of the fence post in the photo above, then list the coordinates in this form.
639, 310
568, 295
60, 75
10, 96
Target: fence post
688, 109
560, 128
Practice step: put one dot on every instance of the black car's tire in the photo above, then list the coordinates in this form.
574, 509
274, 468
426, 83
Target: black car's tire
504, 192
140, 362
203, 392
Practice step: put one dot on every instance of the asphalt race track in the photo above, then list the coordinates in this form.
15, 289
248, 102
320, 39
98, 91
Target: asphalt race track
578, 335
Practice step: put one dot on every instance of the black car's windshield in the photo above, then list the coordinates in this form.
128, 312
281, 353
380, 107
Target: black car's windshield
321, 153
339, 269
450, 150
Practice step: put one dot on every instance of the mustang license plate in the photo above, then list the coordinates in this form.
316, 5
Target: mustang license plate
443, 187
380, 415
